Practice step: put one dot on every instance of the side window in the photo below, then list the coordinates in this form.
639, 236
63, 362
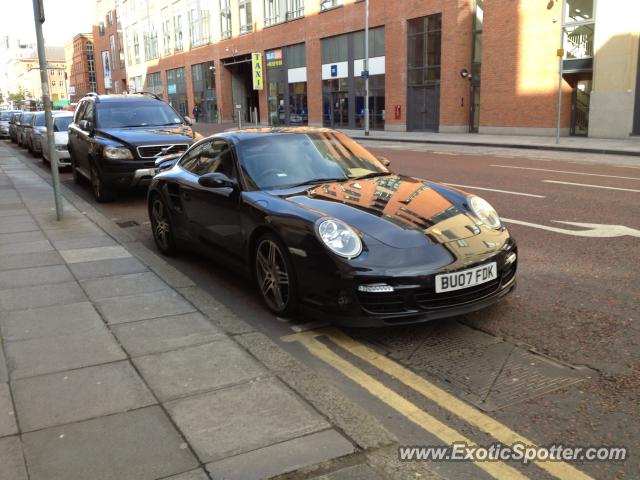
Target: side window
189, 161
79, 112
88, 112
215, 157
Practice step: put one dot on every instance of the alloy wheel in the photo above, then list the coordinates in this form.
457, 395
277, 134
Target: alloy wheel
161, 226
272, 275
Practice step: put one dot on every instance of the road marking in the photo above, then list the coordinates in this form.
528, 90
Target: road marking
565, 171
592, 186
595, 230
443, 399
494, 190
409, 410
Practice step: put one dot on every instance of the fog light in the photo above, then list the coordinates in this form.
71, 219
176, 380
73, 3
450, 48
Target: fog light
511, 258
375, 288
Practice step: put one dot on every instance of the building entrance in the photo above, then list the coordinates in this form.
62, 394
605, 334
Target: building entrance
242, 91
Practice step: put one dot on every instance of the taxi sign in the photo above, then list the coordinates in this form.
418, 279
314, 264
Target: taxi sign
256, 63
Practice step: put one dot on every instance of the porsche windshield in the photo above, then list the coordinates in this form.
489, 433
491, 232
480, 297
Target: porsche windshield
284, 160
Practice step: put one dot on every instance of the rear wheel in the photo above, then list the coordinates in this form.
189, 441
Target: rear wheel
161, 226
101, 193
274, 276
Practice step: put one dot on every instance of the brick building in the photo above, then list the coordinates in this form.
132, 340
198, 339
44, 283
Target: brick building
435, 65
108, 46
81, 68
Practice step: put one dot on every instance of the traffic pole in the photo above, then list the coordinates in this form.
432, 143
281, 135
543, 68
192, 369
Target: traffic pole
366, 67
38, 15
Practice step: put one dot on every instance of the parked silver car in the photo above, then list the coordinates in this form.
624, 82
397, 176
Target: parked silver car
25, 124
5, 117
61, 121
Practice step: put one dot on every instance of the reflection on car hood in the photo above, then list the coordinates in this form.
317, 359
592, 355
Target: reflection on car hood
399, 211
150, 135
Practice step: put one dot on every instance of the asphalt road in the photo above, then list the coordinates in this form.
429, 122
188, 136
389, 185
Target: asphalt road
556, 362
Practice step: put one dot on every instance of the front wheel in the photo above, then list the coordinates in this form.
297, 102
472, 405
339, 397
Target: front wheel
101, 193
162, 227
275, 277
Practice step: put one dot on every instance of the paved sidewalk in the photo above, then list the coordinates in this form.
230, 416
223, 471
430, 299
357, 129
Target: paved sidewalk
109, 370
628, 147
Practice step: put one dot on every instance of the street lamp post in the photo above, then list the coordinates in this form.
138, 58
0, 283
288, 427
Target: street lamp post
366, 67
38, 15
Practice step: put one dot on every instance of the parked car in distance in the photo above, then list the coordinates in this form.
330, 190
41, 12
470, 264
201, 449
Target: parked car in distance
14, 122
25, 124
33, 134
322, 225
5, 122
114, 140
61, 122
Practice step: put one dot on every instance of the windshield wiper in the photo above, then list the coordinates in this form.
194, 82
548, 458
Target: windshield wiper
371, 175
314, 181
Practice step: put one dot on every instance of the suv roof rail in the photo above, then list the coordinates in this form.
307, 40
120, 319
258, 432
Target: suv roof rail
146, 93
93, 94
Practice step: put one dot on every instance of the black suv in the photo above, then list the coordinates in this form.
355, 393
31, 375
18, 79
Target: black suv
114, 140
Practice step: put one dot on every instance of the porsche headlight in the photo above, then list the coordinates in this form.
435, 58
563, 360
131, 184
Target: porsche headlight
485, 212
117, 153
339, 237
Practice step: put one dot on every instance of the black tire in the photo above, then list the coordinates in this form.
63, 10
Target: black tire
275, 277
102, 193
162, 226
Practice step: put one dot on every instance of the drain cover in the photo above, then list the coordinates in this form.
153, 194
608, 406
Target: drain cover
484, 370
128, 224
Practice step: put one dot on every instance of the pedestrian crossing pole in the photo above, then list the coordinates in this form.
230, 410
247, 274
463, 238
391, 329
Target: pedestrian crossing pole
38, 15
365, 73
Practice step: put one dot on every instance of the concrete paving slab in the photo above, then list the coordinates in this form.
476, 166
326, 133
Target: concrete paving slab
12, 211
105, 268
18, 226
7, 414
12, 461
192, 475
38, 356
166, 333
78, 255
355, 472
28, 277
47, 322
21, 237
75, 395
84, 242
242, 418
12, 261
192, 370
25, 247
282, 457
122, 285
40, 296
143, 307
137, 445
72, 232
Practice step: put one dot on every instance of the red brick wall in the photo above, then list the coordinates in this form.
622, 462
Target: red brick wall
101, 44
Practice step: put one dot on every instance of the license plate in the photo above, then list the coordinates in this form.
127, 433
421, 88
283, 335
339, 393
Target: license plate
448, 282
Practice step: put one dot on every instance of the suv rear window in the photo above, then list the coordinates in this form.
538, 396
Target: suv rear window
136, 114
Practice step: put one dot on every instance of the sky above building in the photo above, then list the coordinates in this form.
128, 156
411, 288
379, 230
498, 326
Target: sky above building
64, 19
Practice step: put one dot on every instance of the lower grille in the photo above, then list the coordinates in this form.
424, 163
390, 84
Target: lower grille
382, 303
428, 300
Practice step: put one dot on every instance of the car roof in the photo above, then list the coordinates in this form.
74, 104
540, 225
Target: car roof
238, 136
130, 97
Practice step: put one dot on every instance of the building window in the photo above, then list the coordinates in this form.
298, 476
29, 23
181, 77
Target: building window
120, 50
101, 29
151, 40
246, 22
287, 85
203, 77
424, 50
376, 43
154, 84
110, 18
166, 31
177, 90
129, 47
271, 12
136, 44
112, 48
177, 31
329, 4
579, 29
225, 19
295, 9
335, 49
199, 25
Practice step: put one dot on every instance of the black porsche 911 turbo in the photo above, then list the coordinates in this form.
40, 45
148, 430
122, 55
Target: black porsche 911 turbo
322, 225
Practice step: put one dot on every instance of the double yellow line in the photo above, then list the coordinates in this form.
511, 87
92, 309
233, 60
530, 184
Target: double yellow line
412, 412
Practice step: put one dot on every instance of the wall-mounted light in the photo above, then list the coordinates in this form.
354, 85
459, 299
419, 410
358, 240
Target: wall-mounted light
464, 73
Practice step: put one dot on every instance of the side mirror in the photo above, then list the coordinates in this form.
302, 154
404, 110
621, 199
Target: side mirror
86, 125
188, 120
385, 161
217, 180
167, 161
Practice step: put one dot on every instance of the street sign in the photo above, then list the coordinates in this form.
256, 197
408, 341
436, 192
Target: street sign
256, 63
365, 74
334, 70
